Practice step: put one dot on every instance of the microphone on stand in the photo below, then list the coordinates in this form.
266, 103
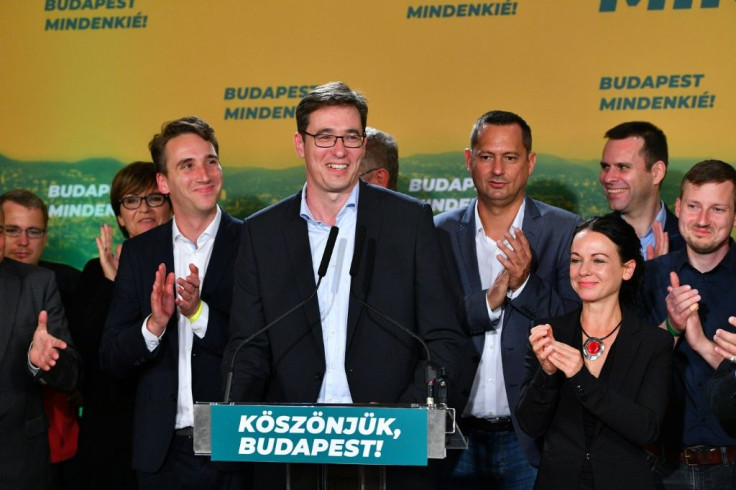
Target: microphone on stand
436, 385
321, 272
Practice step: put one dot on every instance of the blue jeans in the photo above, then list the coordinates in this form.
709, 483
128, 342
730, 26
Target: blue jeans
493, 460
676, 475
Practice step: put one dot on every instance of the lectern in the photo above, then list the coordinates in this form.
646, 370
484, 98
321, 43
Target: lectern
364, 435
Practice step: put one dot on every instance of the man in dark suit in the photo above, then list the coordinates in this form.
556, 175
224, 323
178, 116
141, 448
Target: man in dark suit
26, 223
26, 233
33, 317
633, 167
380, 164
334, 350
169, 316
508, 257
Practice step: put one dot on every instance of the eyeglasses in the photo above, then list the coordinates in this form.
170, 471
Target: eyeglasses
363, 174
16, 231
154, 200
324, 140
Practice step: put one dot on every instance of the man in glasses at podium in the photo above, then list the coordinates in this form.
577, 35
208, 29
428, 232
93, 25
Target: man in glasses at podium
359, 300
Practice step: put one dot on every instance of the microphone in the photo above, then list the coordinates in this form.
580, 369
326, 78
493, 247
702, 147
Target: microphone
430, 375
321, 272
327, 255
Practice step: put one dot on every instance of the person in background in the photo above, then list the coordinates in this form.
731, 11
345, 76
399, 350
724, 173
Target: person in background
37, 351
721, 389
167, 324
26, 233
689, 293
508, 260
597, 378
380, 164
633, 167
108, 401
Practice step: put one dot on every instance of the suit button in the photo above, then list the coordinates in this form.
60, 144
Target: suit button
587, 456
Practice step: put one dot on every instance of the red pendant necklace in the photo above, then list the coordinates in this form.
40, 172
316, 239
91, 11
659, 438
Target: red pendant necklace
594, 347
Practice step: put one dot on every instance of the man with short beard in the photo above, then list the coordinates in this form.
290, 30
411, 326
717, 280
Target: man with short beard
689, 293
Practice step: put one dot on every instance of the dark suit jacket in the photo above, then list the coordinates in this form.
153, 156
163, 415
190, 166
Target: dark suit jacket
108, 401
25, 290
548, 292
67, 278
721, 393
630, 407
400, 274
672, 227
123, 351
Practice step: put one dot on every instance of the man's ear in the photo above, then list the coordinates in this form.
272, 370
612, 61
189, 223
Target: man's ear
659, 170
299, 144
163, 183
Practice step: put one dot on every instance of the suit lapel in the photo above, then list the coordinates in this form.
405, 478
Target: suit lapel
627, 348
221, 254
298, 250
465, 236
165, 246
369, 217
9, 292
530, 226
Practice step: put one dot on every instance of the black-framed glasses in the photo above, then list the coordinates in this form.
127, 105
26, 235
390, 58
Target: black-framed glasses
154, 200
325, 140
16, 231
367, 172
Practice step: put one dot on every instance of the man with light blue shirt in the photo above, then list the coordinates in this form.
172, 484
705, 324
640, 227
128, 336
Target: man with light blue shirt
508, 256
334, 349
633, 166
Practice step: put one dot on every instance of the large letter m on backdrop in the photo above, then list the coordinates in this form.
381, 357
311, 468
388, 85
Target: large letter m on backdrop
610, 5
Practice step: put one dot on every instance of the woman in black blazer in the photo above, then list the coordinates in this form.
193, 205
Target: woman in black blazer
597, 378
108, 402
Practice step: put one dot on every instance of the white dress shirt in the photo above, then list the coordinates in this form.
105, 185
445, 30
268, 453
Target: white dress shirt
185, 253
488, 396
334, 293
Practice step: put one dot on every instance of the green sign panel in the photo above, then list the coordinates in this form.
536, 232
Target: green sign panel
363, 435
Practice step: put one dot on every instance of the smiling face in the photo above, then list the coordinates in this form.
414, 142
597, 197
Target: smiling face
628, 184
706, 214
500, 165
596, 271
331, 170
137, 221
193, 177
22, 248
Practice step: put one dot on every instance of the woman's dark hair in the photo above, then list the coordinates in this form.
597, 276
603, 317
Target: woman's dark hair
622, 234
132, 179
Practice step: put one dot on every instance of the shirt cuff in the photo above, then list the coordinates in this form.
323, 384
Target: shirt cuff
151, 340
33, 369
200, 320
494, 315
517, 292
